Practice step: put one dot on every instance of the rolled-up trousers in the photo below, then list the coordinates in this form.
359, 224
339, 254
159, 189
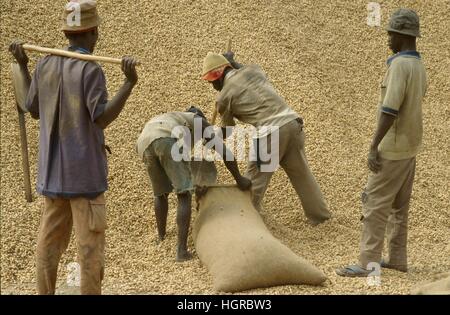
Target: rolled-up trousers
385, 205
89, 220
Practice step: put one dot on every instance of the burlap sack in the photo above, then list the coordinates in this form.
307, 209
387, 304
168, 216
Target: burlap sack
233, 242
440, 285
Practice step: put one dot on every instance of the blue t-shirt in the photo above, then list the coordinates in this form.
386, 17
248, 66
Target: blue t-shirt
68, 95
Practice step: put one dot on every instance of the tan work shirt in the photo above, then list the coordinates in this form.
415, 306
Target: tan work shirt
402, 92
248, 96
162, 126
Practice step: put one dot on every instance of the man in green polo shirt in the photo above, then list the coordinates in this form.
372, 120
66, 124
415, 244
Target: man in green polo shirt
392, 156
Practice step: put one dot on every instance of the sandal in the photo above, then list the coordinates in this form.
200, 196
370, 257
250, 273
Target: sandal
353, 271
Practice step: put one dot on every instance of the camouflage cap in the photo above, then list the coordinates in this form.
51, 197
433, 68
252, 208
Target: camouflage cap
406, 22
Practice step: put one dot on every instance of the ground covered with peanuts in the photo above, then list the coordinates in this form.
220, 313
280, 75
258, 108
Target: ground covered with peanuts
324, 60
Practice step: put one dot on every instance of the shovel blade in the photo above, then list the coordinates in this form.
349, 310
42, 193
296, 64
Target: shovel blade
20, 87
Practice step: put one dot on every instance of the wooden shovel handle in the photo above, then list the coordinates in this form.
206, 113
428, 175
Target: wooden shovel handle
214, 117
71, 54
25, 160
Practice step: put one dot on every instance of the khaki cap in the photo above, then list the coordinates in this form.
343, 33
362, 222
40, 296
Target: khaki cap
86, 20
213, 62
406, 22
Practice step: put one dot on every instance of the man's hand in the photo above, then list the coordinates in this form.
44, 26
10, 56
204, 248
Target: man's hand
229, 55
244, 183
18, 52
373, 161
129, 69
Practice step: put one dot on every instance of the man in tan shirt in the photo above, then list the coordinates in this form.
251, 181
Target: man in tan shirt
392, 156
246, 94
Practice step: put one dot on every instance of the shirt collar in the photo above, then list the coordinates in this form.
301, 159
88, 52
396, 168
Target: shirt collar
230, 74
80, 50
403, 53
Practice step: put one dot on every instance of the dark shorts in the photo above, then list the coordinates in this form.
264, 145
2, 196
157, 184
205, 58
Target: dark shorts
165, 173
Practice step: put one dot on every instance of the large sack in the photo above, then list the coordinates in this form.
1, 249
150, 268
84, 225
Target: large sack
439, 285
233, 242
204, 173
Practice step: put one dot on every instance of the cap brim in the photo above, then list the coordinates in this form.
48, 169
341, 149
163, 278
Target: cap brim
80, 31
213, 75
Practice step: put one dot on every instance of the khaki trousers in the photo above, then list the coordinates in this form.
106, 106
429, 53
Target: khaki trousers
89, 220
385, 211
293, 160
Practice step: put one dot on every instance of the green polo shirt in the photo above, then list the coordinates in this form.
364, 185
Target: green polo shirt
402, 92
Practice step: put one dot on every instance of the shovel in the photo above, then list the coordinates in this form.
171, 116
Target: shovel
20, 91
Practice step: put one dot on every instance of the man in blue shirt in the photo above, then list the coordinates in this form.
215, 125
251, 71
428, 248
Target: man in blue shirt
69, 97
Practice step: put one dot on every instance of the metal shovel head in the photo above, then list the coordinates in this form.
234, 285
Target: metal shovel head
204, 173
20, 87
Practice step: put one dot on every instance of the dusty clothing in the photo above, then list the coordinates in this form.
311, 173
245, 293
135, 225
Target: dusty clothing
402, 92
89, 220
387, 195
69, 95
248, 96
163, 126
293, 160
165, 173
386, 201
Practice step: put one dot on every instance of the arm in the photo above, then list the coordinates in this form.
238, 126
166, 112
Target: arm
395, 93
224, 132
384, 124
227, 156
224, 109
116, 105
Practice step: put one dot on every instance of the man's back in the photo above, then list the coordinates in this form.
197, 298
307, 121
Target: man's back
163, 126
68, 95
249, 96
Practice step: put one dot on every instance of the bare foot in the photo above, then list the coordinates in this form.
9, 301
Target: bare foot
183, 256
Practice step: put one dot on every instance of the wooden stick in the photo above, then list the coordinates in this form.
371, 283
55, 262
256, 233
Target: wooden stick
70, 54
214, 117
25, 161
20, 93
